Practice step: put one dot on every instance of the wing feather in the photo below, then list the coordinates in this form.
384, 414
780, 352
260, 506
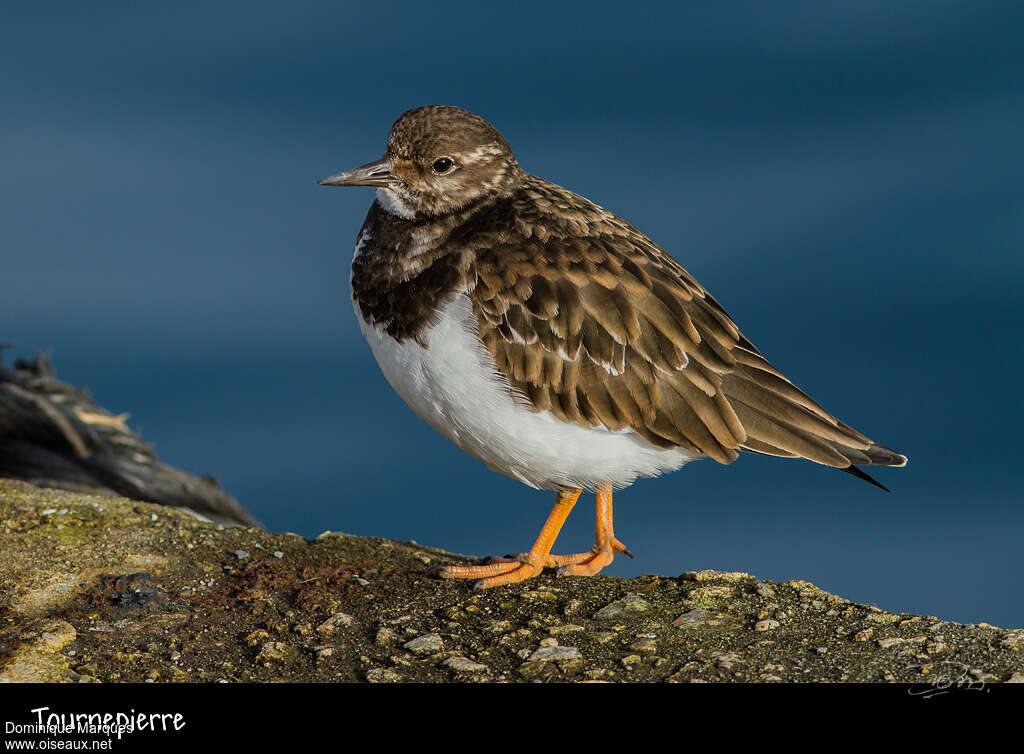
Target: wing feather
594, 323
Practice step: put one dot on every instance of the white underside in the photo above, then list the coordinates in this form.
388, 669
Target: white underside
450, 385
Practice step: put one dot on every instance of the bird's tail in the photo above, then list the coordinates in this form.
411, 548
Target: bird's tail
781, 420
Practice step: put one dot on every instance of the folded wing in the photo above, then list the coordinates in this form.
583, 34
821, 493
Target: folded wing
594, 323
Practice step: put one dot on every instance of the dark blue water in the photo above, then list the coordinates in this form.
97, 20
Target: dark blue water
846, 178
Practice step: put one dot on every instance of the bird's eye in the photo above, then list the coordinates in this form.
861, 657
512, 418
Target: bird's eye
443, 165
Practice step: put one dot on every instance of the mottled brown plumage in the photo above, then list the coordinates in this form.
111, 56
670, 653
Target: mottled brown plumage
555, 342
584, 316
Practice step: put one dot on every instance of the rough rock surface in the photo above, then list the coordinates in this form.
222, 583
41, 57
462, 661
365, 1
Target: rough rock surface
107, 589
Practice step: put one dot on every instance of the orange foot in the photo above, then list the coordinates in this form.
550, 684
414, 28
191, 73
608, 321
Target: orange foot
493, 574
515, 568
589, 563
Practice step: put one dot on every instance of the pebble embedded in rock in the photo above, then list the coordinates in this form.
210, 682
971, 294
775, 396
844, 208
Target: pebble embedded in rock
56, 635
766, 625
630, 660
257, 637
277, 652
382, 675
555, 654
631, 604
568, 628
539, 595
713, 593
465, 665
425, 645
709, 575
880, 617
887, 643
727, 660
335, 623
241, 554
701, 618
549, 660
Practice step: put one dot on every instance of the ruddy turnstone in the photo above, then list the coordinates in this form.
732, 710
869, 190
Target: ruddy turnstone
555, 342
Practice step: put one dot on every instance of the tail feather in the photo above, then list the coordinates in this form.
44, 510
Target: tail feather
782, 421
860, 474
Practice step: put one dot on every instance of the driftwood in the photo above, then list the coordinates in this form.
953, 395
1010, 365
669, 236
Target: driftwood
55, 435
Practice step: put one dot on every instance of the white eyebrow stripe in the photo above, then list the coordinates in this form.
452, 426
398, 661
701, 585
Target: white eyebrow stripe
492, 149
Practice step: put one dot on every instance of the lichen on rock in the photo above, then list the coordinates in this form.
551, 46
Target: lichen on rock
107, 589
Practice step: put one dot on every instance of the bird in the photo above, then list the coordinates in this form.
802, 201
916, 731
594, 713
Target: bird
555, 342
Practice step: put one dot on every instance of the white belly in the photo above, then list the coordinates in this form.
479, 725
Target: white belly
452, 386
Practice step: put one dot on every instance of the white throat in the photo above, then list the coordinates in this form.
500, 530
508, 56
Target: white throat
393, 204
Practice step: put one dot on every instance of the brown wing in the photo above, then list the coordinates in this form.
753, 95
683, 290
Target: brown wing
597, 325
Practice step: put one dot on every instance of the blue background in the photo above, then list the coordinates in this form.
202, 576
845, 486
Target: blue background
846, 178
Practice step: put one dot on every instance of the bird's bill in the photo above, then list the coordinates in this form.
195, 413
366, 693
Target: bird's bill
376, 173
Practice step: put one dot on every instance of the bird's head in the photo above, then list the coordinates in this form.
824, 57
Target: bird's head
439, 160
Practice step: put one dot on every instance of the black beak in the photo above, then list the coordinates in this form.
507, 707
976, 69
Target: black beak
377, 173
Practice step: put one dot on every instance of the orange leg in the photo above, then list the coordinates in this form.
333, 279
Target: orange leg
528, 565
525, 565
605, 543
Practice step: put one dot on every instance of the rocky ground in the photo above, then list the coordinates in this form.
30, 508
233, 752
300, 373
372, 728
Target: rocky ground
107, 589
